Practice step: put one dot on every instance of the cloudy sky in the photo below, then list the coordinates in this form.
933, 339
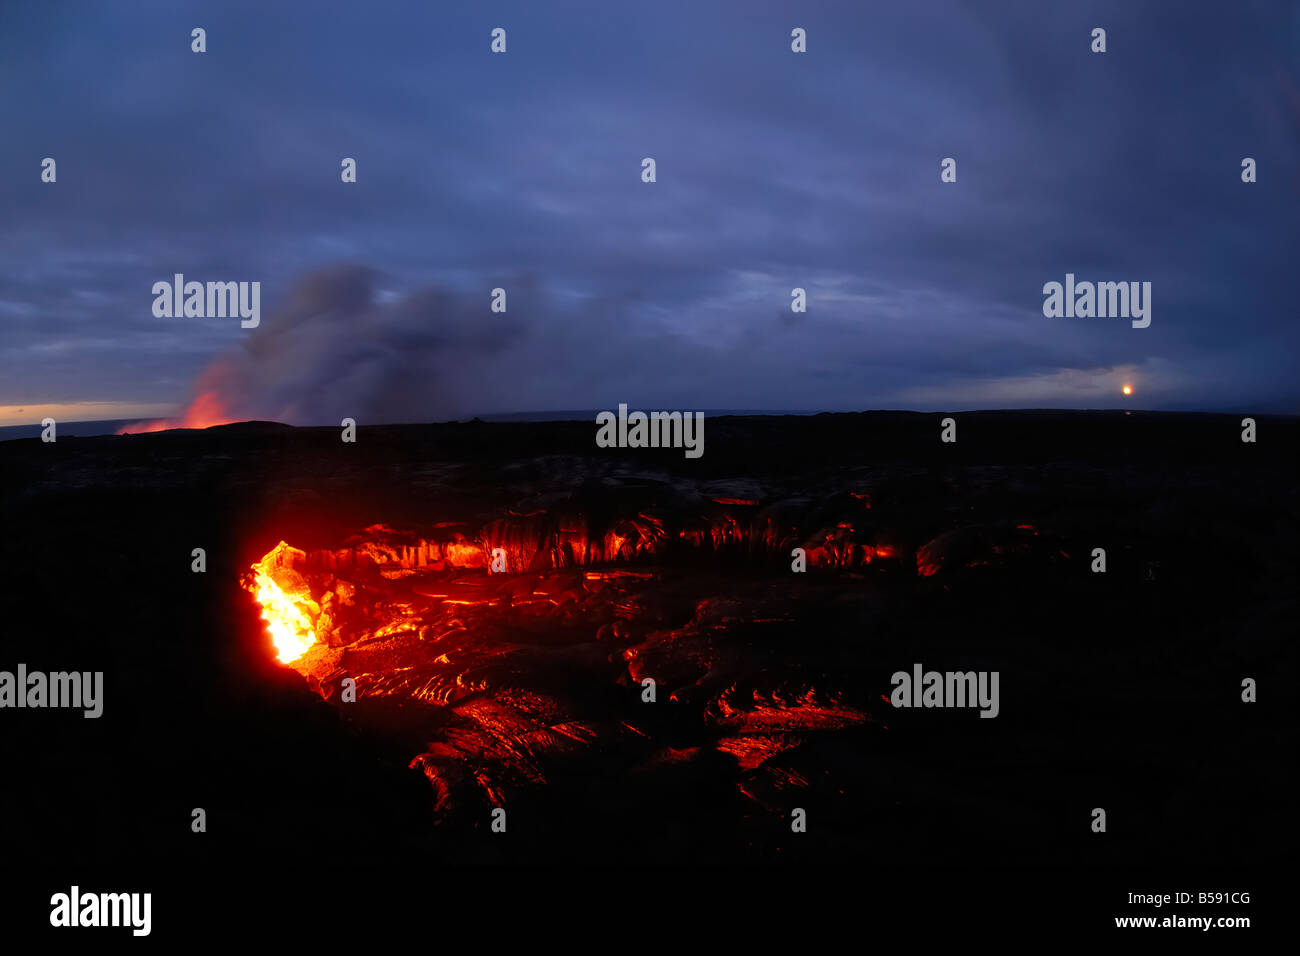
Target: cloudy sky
775, 170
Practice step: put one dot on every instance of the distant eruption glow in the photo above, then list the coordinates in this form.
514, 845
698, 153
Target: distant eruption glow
204, 412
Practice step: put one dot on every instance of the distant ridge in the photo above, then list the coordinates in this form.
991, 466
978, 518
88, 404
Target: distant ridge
111, 427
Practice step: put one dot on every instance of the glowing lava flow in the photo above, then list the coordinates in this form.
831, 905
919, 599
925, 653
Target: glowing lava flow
285, 612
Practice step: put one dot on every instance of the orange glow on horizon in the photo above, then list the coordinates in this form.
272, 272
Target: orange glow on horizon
204, 412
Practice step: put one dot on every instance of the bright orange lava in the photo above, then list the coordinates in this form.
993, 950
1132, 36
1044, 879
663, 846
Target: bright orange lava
286, 601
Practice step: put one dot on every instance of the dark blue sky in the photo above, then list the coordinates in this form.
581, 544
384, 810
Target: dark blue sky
522, 170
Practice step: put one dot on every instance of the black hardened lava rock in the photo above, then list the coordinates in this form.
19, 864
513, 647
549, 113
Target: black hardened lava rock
772, 688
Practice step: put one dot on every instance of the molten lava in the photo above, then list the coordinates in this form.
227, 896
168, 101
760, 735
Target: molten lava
287, 605
507, 649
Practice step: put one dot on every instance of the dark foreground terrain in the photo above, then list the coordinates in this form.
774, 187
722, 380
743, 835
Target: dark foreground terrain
523, 689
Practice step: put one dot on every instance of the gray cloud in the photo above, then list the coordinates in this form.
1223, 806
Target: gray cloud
775, 171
